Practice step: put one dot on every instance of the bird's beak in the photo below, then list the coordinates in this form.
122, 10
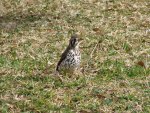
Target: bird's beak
80, 41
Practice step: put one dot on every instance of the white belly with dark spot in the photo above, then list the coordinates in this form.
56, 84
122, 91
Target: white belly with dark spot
72, 60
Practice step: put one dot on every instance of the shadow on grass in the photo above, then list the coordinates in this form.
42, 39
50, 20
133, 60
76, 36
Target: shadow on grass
14, 21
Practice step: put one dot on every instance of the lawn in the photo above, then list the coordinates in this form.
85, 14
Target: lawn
115, 68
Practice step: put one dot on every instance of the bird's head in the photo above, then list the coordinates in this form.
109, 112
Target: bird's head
74, 41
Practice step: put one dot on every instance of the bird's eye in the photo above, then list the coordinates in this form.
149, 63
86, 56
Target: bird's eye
73, 42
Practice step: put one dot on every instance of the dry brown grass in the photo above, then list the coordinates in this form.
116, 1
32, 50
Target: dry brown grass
115, 55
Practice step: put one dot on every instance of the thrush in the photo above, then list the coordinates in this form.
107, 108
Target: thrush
71, 57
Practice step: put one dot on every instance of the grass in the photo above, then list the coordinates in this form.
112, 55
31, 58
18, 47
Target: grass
115, 56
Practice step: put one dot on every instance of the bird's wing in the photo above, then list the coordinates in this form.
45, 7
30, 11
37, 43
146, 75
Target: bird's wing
63, 56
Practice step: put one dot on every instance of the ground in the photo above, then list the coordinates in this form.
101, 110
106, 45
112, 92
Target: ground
115, 73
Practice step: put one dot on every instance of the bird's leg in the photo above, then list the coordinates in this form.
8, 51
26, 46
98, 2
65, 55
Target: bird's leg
58, 75
76, 73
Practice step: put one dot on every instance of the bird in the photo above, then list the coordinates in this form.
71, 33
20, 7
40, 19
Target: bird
71, 58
